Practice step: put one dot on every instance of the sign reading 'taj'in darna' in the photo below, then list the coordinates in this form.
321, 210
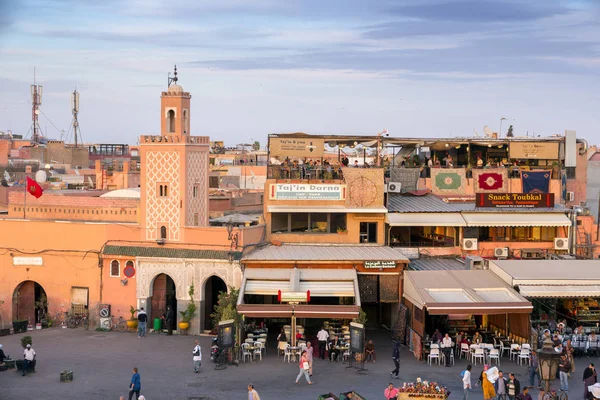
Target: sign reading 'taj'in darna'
307, 191
515, 200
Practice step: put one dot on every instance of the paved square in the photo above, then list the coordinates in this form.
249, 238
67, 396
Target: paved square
102, 362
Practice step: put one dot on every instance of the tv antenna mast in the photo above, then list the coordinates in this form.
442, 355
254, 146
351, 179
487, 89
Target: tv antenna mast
75, 123
36, 102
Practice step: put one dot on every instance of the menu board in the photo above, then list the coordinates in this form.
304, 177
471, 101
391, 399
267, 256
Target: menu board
226, 333
357, 337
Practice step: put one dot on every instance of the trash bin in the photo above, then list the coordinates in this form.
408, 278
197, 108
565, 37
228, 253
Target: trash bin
157, 324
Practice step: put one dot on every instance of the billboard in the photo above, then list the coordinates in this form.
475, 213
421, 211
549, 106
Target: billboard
514, 200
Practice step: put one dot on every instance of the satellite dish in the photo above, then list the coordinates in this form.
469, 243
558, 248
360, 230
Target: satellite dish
6, 176
332, 143
476, 134
40, 176
488, 132
76, 172
91, 183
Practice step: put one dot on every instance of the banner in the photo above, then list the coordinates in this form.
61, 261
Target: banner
448, 180
296, 148
536, 181
490, 180
408, 177
307, 191
515, 200
533, 150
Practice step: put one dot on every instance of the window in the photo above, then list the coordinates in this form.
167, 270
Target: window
195, 191
368, 232
517, 234
115, 268
163, 232
186, 127
279, 222
307, 223
171, 121
196, 219
213, 182
299, 222
163, 190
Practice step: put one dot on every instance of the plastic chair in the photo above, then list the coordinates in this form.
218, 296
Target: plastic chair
434, 346
287, 353
346, 354
246, 352
514, 352
503, 349
258, 350
524, 357
249, 341
479, 354
435, 353
526, 346
263, 341
281, 347
464, 349
494, 355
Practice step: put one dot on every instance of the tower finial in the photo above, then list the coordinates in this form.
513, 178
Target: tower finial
175, 74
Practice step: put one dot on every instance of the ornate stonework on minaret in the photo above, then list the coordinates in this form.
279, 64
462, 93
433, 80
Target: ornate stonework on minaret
175, 106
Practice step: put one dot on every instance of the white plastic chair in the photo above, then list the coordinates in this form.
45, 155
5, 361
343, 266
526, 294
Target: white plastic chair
494, 355
435, 346
524, 357
263, 341
281, 347
526, 346
346, 354
435, 353
249, 341
514, 352
258, 350
479, 354
451, 358
287, 353
464, 349
246, 352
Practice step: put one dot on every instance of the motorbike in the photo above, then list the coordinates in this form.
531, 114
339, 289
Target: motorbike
214, 349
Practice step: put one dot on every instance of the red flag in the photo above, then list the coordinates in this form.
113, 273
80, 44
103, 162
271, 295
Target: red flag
34, 188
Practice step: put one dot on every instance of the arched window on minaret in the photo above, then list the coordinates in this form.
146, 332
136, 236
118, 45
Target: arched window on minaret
186, 128
171, 121
163, 232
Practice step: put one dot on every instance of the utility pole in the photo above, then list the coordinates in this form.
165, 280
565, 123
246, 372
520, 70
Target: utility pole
36, 102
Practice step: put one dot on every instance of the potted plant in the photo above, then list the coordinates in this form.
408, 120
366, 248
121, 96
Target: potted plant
341, 231
41, 305
132, 322
188, 313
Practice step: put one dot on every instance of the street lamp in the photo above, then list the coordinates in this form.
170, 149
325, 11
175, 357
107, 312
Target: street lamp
500, 131
548, 360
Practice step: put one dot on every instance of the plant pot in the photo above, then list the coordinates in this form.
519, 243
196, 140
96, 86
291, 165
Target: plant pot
38, 326
29, 327
183, 325
20, 326
132, 324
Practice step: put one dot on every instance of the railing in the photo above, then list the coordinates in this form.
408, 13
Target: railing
301, 172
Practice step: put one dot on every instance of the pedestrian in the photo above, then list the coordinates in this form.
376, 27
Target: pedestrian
135, 385
447, 348
564, 367
589, 379
466, 380
390, 393
142, 397
142, 321
197, 356
487, 386
29, 356
304, 368
513, 386
322, 337
252, 393
169, 320
396, 359
525, 395
533, 370
309, 354
501, 386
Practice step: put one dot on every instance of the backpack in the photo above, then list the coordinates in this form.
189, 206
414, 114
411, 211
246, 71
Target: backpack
462, 374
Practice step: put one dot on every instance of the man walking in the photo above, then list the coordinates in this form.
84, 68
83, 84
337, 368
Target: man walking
396, 358
142, 321
197, 356
252, 393
564, 367
29, 356
500, 386
169, 320
533, 370
513, 387
466, 380
135, 385
322, 336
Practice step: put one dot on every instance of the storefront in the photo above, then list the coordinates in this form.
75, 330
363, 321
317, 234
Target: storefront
558, 289
462, 301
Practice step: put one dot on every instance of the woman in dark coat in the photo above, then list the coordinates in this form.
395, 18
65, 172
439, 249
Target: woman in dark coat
589, 378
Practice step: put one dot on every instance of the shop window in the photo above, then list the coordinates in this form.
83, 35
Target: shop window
213, 182
279, 222
368, 232
338, 221
319, 223
115, 268
299, 222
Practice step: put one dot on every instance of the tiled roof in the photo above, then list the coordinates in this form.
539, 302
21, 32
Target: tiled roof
431, 264
168, 252
431, 203
314, 252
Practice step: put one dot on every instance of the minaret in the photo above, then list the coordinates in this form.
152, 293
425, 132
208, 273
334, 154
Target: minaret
175, 106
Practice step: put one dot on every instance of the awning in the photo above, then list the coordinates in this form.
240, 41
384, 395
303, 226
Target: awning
551, 291
516, 219
325, 209
300, 311
425, 219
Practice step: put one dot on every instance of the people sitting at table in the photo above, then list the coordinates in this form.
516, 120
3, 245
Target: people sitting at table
465, 339
556, 340
459, 336
299, 336
333, 349
578, 330
437, 336
592, 337
370, 351
477, 338
282, 337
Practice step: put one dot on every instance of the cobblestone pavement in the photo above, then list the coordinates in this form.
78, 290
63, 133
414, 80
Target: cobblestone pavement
102, 362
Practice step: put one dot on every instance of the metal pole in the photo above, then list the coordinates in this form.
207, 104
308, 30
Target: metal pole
25, 198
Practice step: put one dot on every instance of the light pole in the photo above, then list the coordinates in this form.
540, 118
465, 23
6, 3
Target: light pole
548, 360
500, 131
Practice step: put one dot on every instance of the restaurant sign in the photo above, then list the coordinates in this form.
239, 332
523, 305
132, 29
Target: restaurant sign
533, 150
28, 261
307, 191
296, 147
380, 264
515, 200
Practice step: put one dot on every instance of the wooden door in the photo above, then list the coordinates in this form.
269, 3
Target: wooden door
159, 296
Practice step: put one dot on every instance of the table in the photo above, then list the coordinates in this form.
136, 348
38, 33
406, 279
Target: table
294, 351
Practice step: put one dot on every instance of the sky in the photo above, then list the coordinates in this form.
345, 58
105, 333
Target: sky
418, 68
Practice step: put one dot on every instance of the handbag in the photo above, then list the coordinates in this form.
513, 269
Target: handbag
306, 365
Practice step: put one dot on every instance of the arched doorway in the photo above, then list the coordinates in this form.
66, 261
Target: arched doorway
29, 302
163, 295
213, 286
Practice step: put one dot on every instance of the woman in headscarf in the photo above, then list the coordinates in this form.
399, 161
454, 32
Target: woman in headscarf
487, 386
589, 378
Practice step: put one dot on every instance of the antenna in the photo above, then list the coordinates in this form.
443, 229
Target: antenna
36, 102
173, 79
75, 122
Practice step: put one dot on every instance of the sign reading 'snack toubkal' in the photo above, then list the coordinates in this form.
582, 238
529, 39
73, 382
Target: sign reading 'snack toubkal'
515, 200
307, 191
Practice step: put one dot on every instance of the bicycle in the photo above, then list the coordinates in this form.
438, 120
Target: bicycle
60, 318
118, 324
78, 319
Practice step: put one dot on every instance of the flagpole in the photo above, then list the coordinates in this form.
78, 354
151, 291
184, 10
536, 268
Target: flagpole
25, 198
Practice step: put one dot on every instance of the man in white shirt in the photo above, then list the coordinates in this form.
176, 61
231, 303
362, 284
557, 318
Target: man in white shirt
322, 336
466, 379
197, 356
29, 355
447, 348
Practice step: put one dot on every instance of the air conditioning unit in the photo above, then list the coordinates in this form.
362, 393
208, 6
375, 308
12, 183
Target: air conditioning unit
469, 244
570, 196
501, 252
394, 187
561, 244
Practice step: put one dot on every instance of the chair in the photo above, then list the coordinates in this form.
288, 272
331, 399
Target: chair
464, 349
524, 357
263, 341
249, 341
287, 353
250, 335
258, 350
435, 353
479, 354
346, 354
434, 346
514, 350
497, 344
593, 347
526, 346
494, 355
451, 358
281, 347
503, 349
246, 352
